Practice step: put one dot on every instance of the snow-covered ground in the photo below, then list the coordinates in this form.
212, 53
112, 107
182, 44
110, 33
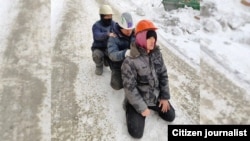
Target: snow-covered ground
225, 38
207, 60
225, 46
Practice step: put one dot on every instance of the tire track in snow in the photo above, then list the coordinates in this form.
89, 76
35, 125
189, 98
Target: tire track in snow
64, 71
78, 104
24, 78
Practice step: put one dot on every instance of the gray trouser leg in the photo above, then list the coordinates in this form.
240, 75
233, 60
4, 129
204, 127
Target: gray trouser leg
98, 56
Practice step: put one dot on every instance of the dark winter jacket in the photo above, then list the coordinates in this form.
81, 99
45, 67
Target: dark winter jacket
100, 35
145, 78
117, 47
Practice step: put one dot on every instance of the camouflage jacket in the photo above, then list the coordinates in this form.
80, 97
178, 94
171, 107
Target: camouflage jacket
145, 78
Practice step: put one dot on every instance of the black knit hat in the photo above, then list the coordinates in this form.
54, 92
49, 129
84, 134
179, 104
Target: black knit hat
151, 33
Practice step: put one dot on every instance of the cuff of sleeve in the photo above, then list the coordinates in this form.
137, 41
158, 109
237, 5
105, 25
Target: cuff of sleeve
164, 96
142, 108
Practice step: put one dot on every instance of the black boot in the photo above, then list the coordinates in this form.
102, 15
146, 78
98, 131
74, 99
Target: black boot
116, 80
99, 70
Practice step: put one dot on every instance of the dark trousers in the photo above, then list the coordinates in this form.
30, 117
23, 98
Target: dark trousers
136, 122
116, 79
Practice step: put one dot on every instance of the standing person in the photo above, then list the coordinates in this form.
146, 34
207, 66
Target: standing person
118, 47
145, 80
102, 30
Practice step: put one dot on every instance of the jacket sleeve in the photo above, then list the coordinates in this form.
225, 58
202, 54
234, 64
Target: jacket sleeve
113, 50
129, 82
163, 80
98, 34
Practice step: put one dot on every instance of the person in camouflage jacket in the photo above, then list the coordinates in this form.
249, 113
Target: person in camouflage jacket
145, 80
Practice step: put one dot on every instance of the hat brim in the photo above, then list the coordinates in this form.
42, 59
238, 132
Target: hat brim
128, 28
125, 27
